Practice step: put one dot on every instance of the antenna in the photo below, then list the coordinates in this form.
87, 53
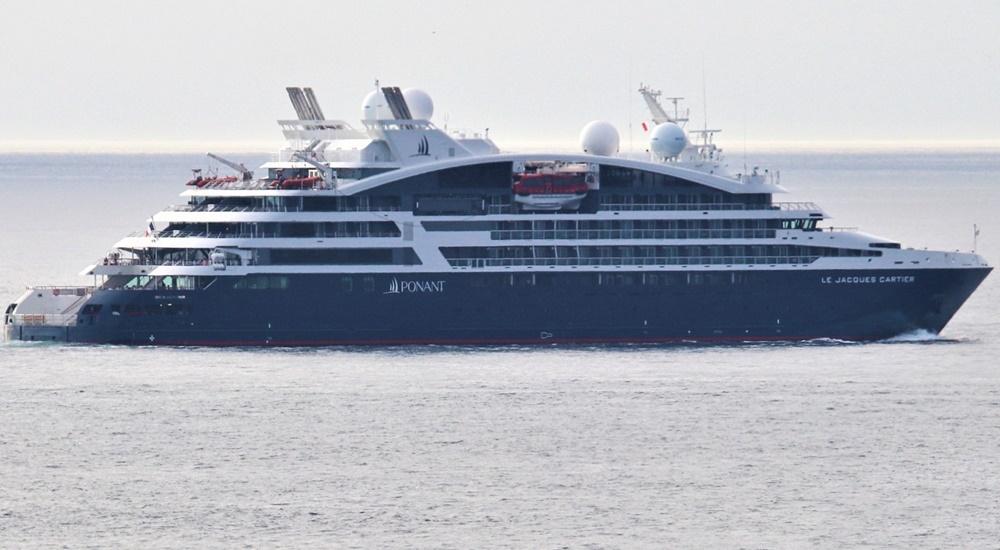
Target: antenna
704, 93
628, 86
975, 237
744, 139
677, 111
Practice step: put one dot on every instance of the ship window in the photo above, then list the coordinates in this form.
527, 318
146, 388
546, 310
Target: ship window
91, 309
185, 283
459, 226
426, 205
344, 256
347, 284
369, 284
261, 282
138, 282
277, 283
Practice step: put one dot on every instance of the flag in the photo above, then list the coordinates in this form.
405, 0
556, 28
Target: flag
644, 127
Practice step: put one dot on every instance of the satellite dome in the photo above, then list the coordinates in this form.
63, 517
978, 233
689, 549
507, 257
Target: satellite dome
420, 103
599, 138
667, 140
375, 107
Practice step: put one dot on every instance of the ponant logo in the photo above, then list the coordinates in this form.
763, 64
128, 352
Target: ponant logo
423, 148
414, 287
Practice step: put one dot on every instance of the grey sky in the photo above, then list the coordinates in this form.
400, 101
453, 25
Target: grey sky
531, 71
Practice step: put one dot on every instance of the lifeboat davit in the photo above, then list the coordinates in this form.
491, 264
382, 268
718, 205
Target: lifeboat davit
551, 191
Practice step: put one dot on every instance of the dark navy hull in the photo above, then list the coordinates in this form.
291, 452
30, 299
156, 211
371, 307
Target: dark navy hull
526, 308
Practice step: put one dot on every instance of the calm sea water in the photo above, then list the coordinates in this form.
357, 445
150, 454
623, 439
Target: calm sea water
821, 444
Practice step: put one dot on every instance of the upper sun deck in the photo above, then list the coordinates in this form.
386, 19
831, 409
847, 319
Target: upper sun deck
386, 173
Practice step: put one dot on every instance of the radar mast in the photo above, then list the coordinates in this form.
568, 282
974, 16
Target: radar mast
702, 150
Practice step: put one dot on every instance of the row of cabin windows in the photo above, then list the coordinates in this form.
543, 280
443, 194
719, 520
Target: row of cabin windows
618, 177
641, 255
280, 256
262, 282
357, 203
166, 308
146, 282
637, 229
283, 229
366, 283
649, 251
473, 202
593, 280
685, 201
604, 225
341, 173
626, 229
477, 203
806, 224
339, 256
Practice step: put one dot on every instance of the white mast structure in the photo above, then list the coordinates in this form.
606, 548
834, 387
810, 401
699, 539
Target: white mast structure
703, 153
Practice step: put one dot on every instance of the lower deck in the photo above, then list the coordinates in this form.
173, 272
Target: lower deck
522, 308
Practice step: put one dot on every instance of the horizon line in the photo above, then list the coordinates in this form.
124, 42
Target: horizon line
555, 146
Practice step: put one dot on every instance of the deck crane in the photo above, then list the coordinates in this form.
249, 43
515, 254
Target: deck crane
245, 174
329, 174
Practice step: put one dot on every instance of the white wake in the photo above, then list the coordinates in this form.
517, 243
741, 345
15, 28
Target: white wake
919, 335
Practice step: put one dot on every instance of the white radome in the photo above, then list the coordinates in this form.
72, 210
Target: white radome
599, 138
667, 140
375, 107
420, 103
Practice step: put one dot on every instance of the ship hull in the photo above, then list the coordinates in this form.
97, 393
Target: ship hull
473, 308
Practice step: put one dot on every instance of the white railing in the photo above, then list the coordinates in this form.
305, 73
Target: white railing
841, 229
180, 263
45, 319
674, 206
231, 208
632, 261
67, 290
260, 235
797, 206
513, 234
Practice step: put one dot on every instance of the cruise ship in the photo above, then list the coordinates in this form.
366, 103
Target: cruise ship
397, 231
